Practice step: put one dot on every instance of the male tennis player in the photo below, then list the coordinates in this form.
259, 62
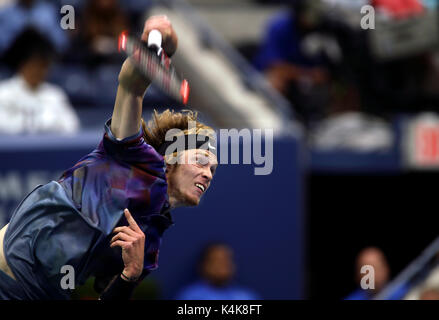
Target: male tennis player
106, 215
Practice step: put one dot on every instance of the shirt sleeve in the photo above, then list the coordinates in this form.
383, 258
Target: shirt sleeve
130, 150
131, 139
133, 152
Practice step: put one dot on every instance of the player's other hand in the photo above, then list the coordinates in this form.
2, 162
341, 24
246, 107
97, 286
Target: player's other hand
132, 241
162, 24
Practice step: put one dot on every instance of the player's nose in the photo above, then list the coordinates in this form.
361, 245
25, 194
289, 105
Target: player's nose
207, 175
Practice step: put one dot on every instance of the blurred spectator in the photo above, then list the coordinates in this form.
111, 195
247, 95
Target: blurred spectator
39, 14
28, 104
403, 77
309, 53
101, 23
294, 57
313, 57
374, 257
217, 269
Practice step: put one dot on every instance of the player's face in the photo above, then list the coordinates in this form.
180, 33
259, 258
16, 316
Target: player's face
191, 177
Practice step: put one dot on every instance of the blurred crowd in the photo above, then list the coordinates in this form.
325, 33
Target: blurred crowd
346, 83
341, 87
216, 268
420, 285
48, 71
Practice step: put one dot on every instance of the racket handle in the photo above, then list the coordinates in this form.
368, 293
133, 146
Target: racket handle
155, 41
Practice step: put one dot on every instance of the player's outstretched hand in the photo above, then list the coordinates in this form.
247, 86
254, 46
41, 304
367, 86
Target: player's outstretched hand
132, 80
162, 24
132, 241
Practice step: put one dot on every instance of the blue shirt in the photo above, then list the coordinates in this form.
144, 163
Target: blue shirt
202, 290
360, 294
282, 43
398, 293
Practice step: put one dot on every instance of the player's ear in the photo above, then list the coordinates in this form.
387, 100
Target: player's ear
169, 168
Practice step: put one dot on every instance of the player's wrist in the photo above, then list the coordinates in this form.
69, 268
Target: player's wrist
129, 278
131, 274
132, 81
134, 91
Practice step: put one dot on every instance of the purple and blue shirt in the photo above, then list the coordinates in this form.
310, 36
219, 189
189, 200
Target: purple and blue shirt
70, 221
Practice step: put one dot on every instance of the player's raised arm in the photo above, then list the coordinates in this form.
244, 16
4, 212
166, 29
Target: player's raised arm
127, 111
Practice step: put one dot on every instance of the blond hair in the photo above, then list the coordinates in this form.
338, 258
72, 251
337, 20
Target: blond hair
154, 132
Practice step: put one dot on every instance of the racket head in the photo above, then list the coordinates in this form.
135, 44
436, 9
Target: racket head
155, 67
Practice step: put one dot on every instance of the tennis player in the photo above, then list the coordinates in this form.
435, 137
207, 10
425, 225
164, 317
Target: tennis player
105, 217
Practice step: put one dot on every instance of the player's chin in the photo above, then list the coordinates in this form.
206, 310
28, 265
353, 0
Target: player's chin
192, 200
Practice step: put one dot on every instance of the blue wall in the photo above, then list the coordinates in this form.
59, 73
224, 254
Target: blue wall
259, 216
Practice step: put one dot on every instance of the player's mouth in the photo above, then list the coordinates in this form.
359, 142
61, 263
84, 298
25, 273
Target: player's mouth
200, 187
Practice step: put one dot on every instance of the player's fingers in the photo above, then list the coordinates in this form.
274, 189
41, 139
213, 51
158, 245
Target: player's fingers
122, 236
126, 230
160, 23
120, 243
131, 221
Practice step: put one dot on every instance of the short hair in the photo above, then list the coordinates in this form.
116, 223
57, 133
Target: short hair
29, 44
154, 132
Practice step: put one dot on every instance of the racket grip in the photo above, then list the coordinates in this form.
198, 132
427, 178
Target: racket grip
155, 40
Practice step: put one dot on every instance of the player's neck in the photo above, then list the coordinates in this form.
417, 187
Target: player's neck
174, 202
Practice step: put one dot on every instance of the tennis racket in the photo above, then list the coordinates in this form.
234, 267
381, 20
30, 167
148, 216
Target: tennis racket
151, 60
